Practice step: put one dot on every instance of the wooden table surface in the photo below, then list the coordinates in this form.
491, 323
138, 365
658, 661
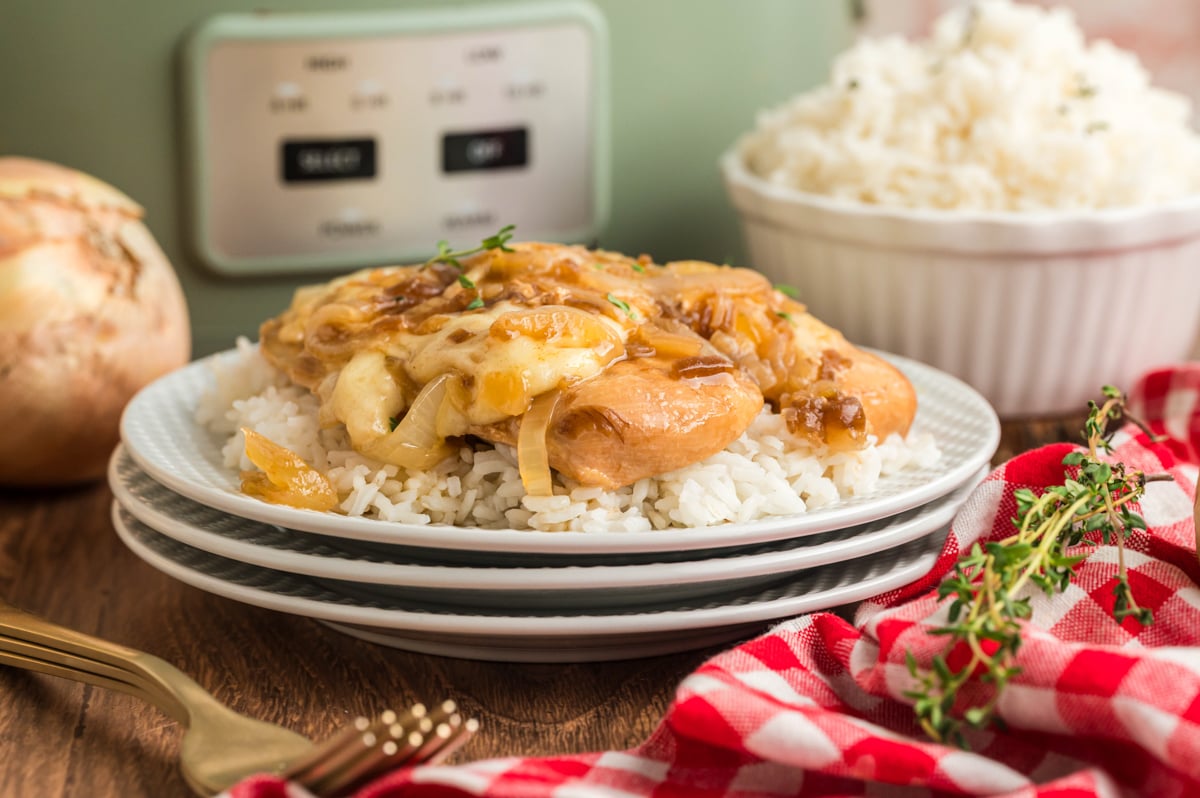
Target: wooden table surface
60, 558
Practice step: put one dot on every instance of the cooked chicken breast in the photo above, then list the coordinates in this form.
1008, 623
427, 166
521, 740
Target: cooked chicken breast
648, 368
644, 416
830, 391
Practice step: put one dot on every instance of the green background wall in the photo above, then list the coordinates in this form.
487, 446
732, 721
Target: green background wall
93, 85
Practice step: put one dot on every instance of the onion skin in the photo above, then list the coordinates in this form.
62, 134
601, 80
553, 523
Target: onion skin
90, 312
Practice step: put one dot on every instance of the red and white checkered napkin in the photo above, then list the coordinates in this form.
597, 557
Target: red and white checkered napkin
815, 707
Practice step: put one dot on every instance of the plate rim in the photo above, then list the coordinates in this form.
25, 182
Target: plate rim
509, 626
576, 577
823, 519
596, 650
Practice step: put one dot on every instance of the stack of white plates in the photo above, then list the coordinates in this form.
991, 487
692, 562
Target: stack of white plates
523, 595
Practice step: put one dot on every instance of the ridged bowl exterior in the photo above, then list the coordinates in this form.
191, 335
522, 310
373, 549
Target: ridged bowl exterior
1037, 312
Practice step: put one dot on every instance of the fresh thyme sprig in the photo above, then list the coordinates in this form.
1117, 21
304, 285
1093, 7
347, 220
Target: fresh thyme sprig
984, 627
446, 255
451, 257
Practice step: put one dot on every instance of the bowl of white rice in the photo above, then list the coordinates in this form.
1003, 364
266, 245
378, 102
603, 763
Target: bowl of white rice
1004, 200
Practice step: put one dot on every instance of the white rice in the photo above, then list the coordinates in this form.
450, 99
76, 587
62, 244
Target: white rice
765, 473
1005, 107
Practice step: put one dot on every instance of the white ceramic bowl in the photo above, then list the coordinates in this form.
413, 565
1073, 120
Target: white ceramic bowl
1036, 311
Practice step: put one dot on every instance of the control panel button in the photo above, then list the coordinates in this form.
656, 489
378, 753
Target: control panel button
447, 91
485, 149
288, 96
523, 85
328, 159
368, 94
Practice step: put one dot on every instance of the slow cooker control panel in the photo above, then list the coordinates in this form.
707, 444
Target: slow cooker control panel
321, 142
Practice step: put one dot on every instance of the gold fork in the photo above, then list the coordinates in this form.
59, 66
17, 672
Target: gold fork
221, 747
368, 748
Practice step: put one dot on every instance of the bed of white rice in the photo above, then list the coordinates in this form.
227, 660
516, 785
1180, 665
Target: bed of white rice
1005, 107
767, 472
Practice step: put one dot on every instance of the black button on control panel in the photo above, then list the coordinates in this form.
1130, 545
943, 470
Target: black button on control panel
485, 149
328, 159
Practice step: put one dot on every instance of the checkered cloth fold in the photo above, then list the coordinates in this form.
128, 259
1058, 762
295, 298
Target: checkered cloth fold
816, 706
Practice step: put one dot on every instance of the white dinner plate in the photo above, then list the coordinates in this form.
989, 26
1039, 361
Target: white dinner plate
630, 580
160, 433
545, 634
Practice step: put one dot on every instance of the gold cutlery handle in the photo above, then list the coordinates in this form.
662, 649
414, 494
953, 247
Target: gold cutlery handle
148, 676
11, 654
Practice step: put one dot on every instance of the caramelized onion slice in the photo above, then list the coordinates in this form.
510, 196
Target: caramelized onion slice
285, 477
533, 461
415, 442
669, 339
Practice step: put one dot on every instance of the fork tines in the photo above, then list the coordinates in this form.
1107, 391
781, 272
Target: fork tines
370, 747
457, 739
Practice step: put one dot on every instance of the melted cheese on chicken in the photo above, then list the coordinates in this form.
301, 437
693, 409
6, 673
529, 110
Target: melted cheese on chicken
655, 367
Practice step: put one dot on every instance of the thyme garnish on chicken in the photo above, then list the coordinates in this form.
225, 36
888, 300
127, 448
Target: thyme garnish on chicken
622, 305
446, 255
985, 617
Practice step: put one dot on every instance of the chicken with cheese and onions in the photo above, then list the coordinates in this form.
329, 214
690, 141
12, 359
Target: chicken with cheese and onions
602, 367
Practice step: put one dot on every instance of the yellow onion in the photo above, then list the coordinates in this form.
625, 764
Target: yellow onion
90, 311
415, 442
533, 460
670, 339
285, 478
